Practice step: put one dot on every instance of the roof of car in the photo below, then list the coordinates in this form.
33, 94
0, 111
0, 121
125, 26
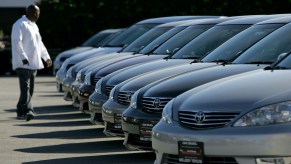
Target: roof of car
210, 21
111, 30
176, 23
284, 19
172, 18
253, 19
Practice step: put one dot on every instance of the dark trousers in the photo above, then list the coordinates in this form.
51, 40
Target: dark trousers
26, 83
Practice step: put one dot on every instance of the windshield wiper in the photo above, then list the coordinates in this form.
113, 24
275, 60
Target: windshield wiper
222, 61
195, 59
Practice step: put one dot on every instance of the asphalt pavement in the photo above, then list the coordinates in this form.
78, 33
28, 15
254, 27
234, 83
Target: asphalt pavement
59, 134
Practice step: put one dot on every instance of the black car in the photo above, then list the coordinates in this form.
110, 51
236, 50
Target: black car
150, 100
214, 37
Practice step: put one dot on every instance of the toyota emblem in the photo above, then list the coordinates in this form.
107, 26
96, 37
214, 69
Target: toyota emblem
200, 117
157, 103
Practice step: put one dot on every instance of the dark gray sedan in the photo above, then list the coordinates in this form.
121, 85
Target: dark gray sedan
245, 119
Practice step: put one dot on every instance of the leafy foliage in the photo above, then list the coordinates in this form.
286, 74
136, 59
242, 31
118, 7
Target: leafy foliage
68, 23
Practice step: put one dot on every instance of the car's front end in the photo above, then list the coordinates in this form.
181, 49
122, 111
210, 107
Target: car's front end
248, 124
85, 91
97, 99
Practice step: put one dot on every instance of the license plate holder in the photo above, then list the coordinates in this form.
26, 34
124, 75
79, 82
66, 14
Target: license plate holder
117, 120
145, 130
191, 151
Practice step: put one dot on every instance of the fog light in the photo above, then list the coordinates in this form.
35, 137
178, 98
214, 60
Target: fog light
107, 111
279, 160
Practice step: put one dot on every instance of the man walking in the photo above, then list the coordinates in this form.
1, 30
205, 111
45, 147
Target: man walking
28, 51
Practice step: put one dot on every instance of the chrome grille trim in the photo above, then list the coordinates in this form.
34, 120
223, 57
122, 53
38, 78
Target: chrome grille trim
95, 80
210, 119
124, 97
154, 104
108, 89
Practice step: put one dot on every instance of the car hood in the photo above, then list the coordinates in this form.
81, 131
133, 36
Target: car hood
240, 94
128, 62
137, 82
92, 52
126, 73
71, 52
173, 86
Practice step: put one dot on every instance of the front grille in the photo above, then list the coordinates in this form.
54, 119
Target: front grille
108, 89
174, 159
205, 119
69, 66
134, 140
83, 75
154, 104
95, 80
124, 97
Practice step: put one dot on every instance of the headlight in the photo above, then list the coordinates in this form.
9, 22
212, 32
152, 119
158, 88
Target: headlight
167, 112
98, 86
69, 73
78, 76
88, 79
111, 95
271, 114
133, 101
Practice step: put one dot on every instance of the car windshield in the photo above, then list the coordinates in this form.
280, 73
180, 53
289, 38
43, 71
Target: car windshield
95, 40
208, 41
161, 39
182, 38
239, 43
130, 34
268, 49
145, 39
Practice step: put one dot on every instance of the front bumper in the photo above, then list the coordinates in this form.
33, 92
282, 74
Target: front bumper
60, 76
242, 144
75, 93
66, 86
111, 115
96, 101
84, 93
138, 127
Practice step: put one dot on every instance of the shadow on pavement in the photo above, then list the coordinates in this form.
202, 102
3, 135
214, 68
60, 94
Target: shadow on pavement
136, 158
68, 116
50, 109
69, 134
57, 124
79, 148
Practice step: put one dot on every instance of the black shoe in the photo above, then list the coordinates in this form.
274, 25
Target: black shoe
20, 117
29, 116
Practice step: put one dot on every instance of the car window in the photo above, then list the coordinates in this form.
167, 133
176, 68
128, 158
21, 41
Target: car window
208, 41
161, 39
130, 34
268, 49
145, 39
95, 40
181, 39
232, 47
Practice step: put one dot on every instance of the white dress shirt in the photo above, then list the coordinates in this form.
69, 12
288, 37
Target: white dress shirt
27, 44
